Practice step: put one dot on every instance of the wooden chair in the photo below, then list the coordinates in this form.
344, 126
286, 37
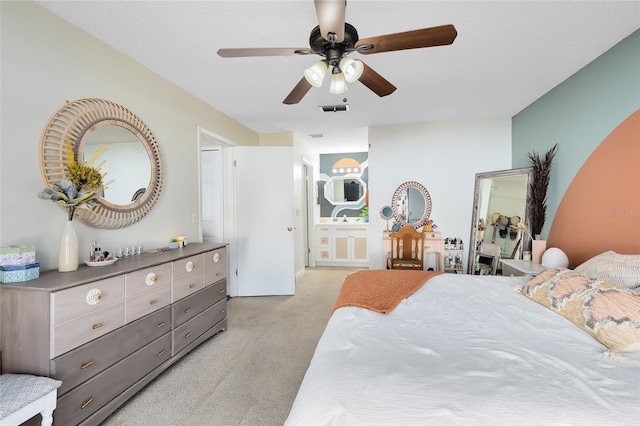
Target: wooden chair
407, 249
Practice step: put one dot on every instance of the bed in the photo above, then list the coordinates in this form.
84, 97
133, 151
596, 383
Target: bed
477, 350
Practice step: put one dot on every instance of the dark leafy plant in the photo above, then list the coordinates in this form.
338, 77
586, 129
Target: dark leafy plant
538, 188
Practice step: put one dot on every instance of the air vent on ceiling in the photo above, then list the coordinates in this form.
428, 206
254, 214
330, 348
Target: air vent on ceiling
335, 108
317, 135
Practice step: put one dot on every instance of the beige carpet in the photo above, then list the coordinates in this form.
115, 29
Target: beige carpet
248, 375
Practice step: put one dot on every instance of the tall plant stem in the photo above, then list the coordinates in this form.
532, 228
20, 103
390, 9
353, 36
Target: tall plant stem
538, 188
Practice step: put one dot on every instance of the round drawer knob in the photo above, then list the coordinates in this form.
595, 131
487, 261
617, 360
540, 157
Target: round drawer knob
93, 296
216, 257
151, 278
189, 266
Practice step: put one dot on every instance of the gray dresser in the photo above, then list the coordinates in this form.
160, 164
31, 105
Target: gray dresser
106, 332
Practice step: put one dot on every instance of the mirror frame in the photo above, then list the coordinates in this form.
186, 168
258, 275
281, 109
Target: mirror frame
474, 217
384, 209
387, 208
357, 202
78, 118
427, 204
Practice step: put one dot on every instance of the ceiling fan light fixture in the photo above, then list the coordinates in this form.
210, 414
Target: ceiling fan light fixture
338, 84
315, 74
351, 68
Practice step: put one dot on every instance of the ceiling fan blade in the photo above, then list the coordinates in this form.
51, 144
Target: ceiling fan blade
298, 92
426, 37
261, 51
331, 18
377, 83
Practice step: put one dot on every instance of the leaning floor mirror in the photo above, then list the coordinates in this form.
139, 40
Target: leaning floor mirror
500, 203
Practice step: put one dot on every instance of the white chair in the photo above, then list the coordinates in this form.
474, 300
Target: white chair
488, 259
22, 396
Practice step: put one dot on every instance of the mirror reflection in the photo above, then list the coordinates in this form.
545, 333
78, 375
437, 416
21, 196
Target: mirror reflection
344, 189
126, 163
386, 212
411, 204
500, 203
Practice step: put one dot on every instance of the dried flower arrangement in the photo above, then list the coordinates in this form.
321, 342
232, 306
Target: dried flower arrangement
83, 183
538, 188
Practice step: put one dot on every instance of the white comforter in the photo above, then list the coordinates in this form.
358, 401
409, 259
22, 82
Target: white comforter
465, 350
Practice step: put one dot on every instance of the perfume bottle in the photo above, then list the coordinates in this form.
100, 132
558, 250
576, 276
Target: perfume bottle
95, 254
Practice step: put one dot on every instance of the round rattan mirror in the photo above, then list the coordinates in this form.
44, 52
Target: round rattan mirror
411, 204
80, 121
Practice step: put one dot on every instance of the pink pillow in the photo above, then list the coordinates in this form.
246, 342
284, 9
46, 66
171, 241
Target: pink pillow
609, 313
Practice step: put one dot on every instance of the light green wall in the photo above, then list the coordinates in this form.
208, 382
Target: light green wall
579, 114
276, 139
47, 61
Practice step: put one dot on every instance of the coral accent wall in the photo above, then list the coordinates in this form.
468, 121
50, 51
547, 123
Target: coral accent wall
600, 210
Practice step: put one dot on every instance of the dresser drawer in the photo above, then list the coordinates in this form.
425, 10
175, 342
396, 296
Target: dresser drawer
215, 266
187, 308
189, 266
146, 303
194, 328
142, 281
214, 275
86, 399
431, 246
81, 300
84, 362
219, 291
508, 271
76, 332
186, 286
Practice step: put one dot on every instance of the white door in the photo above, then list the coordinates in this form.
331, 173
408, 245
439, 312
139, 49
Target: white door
265, 219
212, 195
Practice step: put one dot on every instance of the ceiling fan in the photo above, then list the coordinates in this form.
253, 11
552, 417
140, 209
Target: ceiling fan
334, 39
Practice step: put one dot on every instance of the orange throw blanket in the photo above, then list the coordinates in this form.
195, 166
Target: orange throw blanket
380, 290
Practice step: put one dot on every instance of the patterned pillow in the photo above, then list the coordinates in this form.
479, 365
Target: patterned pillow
554, 287
609, 313
620, 269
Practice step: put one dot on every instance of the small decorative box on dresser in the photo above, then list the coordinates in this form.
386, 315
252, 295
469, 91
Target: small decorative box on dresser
106, 332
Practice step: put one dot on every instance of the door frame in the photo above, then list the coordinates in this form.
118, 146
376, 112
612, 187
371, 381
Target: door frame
308, 221
219, 225
228, 176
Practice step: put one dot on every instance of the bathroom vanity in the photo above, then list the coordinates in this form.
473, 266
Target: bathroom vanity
342, 244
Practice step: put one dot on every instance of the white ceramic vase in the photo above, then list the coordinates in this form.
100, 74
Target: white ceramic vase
68, 250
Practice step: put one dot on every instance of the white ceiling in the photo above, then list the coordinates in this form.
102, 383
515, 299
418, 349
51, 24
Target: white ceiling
507, 54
